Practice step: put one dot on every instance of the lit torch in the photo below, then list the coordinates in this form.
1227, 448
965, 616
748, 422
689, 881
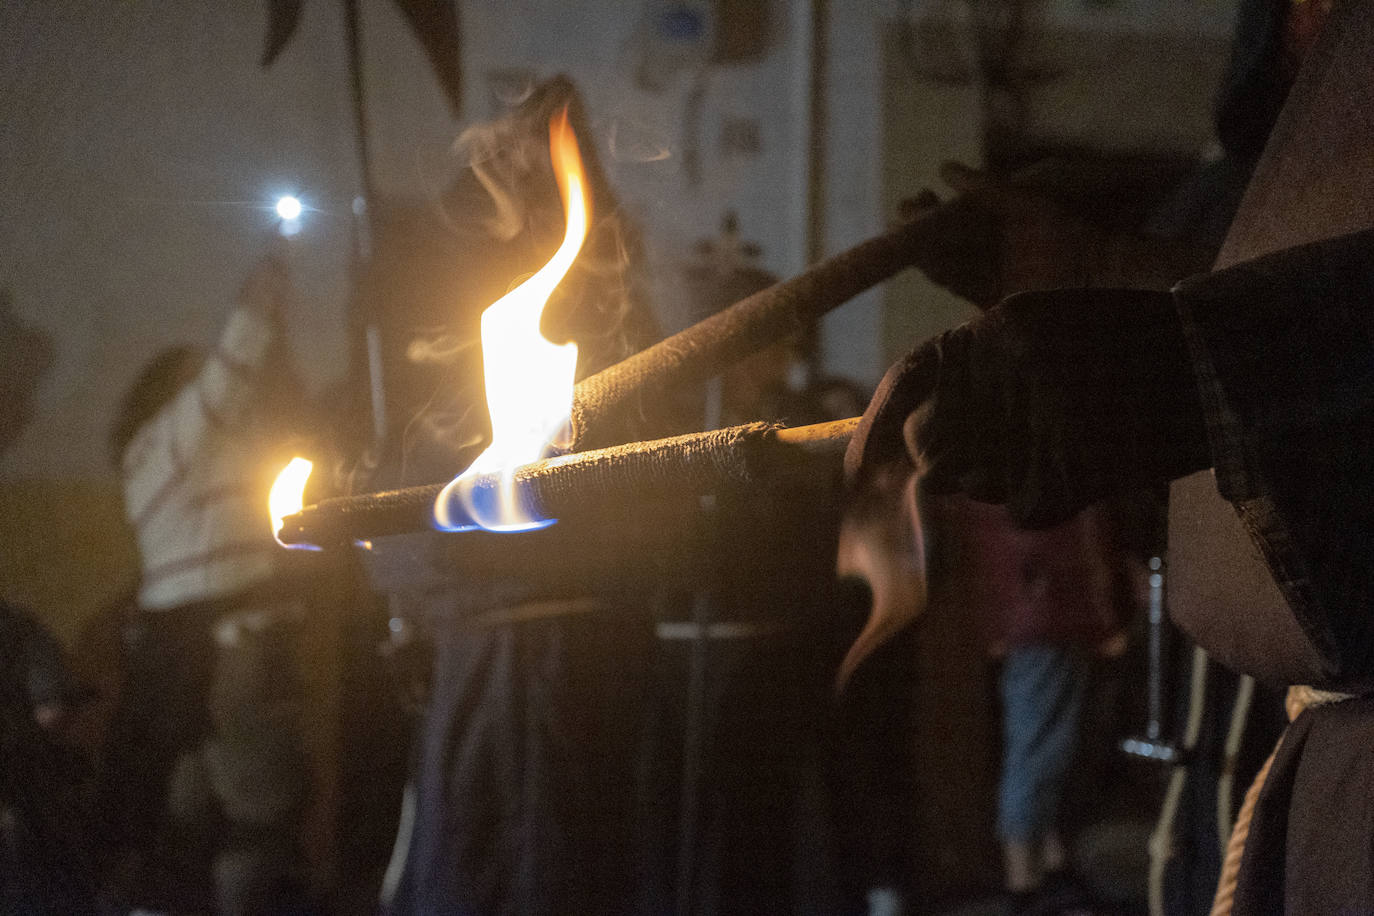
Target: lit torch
529, 379
288, 496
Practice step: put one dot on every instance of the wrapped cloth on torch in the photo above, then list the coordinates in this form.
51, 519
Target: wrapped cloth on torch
619, 476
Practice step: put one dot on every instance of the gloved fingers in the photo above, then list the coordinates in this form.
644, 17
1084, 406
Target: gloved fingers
952, 460
1040, 178
911, 208
877, 441
1045, 403
999, 234
964, 178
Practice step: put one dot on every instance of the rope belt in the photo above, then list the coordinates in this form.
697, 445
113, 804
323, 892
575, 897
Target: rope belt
1300, 698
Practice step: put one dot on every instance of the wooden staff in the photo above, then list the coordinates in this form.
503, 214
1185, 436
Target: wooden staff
708, 347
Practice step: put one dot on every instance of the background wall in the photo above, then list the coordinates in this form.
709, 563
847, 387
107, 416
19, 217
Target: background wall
143, 147
1116, 78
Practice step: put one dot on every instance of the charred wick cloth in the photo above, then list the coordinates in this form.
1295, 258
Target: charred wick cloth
191, 479
619, 480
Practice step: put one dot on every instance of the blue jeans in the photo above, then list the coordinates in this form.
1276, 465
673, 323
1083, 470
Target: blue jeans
1042, 689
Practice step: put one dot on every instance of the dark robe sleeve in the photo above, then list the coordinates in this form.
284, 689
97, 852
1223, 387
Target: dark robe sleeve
1283, 350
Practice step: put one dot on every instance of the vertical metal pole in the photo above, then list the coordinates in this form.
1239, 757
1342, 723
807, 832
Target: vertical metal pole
1154, 725
694, 741
362, 215
816, 140
817, 124
698, 718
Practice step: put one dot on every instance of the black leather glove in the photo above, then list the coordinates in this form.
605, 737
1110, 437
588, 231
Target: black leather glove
1045, 228
1048, 402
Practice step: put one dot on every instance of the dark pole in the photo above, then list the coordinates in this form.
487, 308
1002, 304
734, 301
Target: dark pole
362, 221
712, 345
817, 135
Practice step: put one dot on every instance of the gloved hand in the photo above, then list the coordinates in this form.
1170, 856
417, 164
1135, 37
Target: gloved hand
999, 235
1047, 403
1038, 229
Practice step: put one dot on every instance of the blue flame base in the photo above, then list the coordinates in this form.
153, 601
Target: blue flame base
475, 504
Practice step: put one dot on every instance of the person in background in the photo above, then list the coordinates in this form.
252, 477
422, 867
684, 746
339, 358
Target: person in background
1046, 602
522, 795
47, 859
207, 774
26, 353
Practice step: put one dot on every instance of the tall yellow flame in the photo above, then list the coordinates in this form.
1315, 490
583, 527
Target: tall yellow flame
529, 379
288, 494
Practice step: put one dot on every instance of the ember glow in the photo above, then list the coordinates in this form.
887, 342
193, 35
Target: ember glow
529, 379
288, 496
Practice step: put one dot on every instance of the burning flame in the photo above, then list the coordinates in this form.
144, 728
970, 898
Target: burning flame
288, 495
529, 380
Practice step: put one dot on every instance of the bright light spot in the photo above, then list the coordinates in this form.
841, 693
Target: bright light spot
289, 208
288, 494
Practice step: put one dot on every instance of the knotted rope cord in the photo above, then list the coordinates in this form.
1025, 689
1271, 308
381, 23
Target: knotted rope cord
1300, 698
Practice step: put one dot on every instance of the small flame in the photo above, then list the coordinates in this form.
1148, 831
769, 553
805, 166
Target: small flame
529, 379
287, 496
